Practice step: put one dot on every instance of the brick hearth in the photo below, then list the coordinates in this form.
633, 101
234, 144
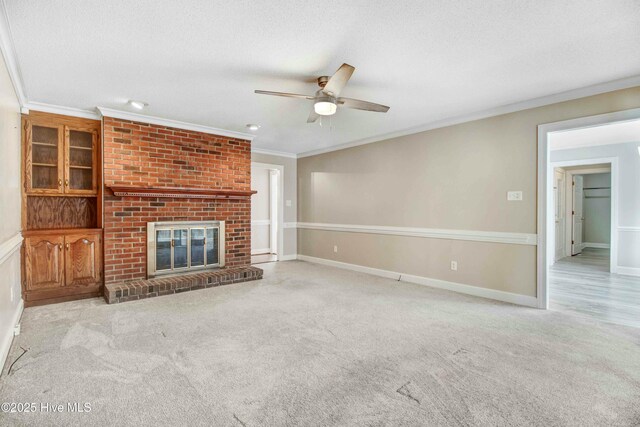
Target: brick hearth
140, 289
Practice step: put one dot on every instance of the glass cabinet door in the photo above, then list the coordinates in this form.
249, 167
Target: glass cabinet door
81, 161
44, 156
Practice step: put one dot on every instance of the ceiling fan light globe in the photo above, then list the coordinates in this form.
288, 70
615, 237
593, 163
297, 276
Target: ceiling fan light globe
325, 108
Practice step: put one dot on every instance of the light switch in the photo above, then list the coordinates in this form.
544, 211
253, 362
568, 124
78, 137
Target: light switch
514, 196
287, 203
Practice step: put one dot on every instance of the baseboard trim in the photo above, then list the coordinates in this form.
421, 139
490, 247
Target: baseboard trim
493, 294
596, 245
264, 251
289, 257
7, 340
628, 271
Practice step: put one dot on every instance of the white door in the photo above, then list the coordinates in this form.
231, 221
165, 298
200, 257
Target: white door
261, 239
578, 219
559, 204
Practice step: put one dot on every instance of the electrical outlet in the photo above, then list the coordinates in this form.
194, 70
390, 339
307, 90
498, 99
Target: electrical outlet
12, 294
16, 330
514, 196
335, 249
288, 203
454, 265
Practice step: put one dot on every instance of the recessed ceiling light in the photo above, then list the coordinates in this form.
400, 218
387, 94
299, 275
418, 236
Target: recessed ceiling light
251, 126
138, 104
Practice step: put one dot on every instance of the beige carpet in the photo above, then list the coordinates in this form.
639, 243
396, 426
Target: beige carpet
311, 345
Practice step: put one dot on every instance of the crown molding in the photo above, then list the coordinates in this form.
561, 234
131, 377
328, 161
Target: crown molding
59, 109
491, 112
274, 153
9, 55
135, 117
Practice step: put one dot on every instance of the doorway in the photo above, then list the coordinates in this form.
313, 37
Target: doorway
266, 212
587, 181
583, 210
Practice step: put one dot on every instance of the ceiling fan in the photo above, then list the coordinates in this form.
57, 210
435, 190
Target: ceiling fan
326, 99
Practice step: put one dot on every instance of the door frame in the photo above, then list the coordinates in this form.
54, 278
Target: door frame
568, 189
613, 163
545, 180
279, 223
561, 198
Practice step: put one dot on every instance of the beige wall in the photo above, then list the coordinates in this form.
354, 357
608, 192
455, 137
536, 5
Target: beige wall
10, 289
455, 177
290, 193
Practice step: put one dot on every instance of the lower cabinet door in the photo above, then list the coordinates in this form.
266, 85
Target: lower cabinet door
83, 259
44, 262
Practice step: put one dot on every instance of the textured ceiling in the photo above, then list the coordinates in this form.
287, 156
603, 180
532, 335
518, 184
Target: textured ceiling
199, 61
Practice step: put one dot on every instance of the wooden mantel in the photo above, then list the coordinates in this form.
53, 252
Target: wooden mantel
179, 193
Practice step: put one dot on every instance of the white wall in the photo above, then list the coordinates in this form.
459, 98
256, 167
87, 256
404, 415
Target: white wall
290, 190
628, 196
10, 237
596, 208
260, 211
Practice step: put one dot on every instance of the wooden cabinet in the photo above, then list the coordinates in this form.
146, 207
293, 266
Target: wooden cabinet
61, 157
82, 259
44, 262
60, 265
61, 208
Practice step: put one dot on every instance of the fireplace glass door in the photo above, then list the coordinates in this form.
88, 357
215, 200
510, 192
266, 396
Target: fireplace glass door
163, 250
184, 246
197, 247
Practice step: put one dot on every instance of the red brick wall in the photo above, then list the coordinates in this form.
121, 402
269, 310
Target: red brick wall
140, 154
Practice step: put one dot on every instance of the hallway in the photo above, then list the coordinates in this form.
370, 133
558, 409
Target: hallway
583, 285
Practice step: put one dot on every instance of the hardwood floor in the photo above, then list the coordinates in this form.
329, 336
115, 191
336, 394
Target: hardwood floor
582, 284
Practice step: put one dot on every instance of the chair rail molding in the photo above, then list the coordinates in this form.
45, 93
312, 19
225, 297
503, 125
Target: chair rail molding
431, 233
625, 229
8, 247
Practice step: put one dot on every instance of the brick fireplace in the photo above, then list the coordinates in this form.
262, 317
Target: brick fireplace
155, 173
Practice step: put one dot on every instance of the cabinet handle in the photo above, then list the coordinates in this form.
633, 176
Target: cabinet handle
60, 183
66, 182
60, 246
67, 246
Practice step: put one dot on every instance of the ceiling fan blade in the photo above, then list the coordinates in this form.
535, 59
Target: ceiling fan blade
362, 105
313, 116
288, 95
338, 81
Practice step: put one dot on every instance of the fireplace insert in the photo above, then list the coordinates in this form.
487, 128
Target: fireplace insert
175, 247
